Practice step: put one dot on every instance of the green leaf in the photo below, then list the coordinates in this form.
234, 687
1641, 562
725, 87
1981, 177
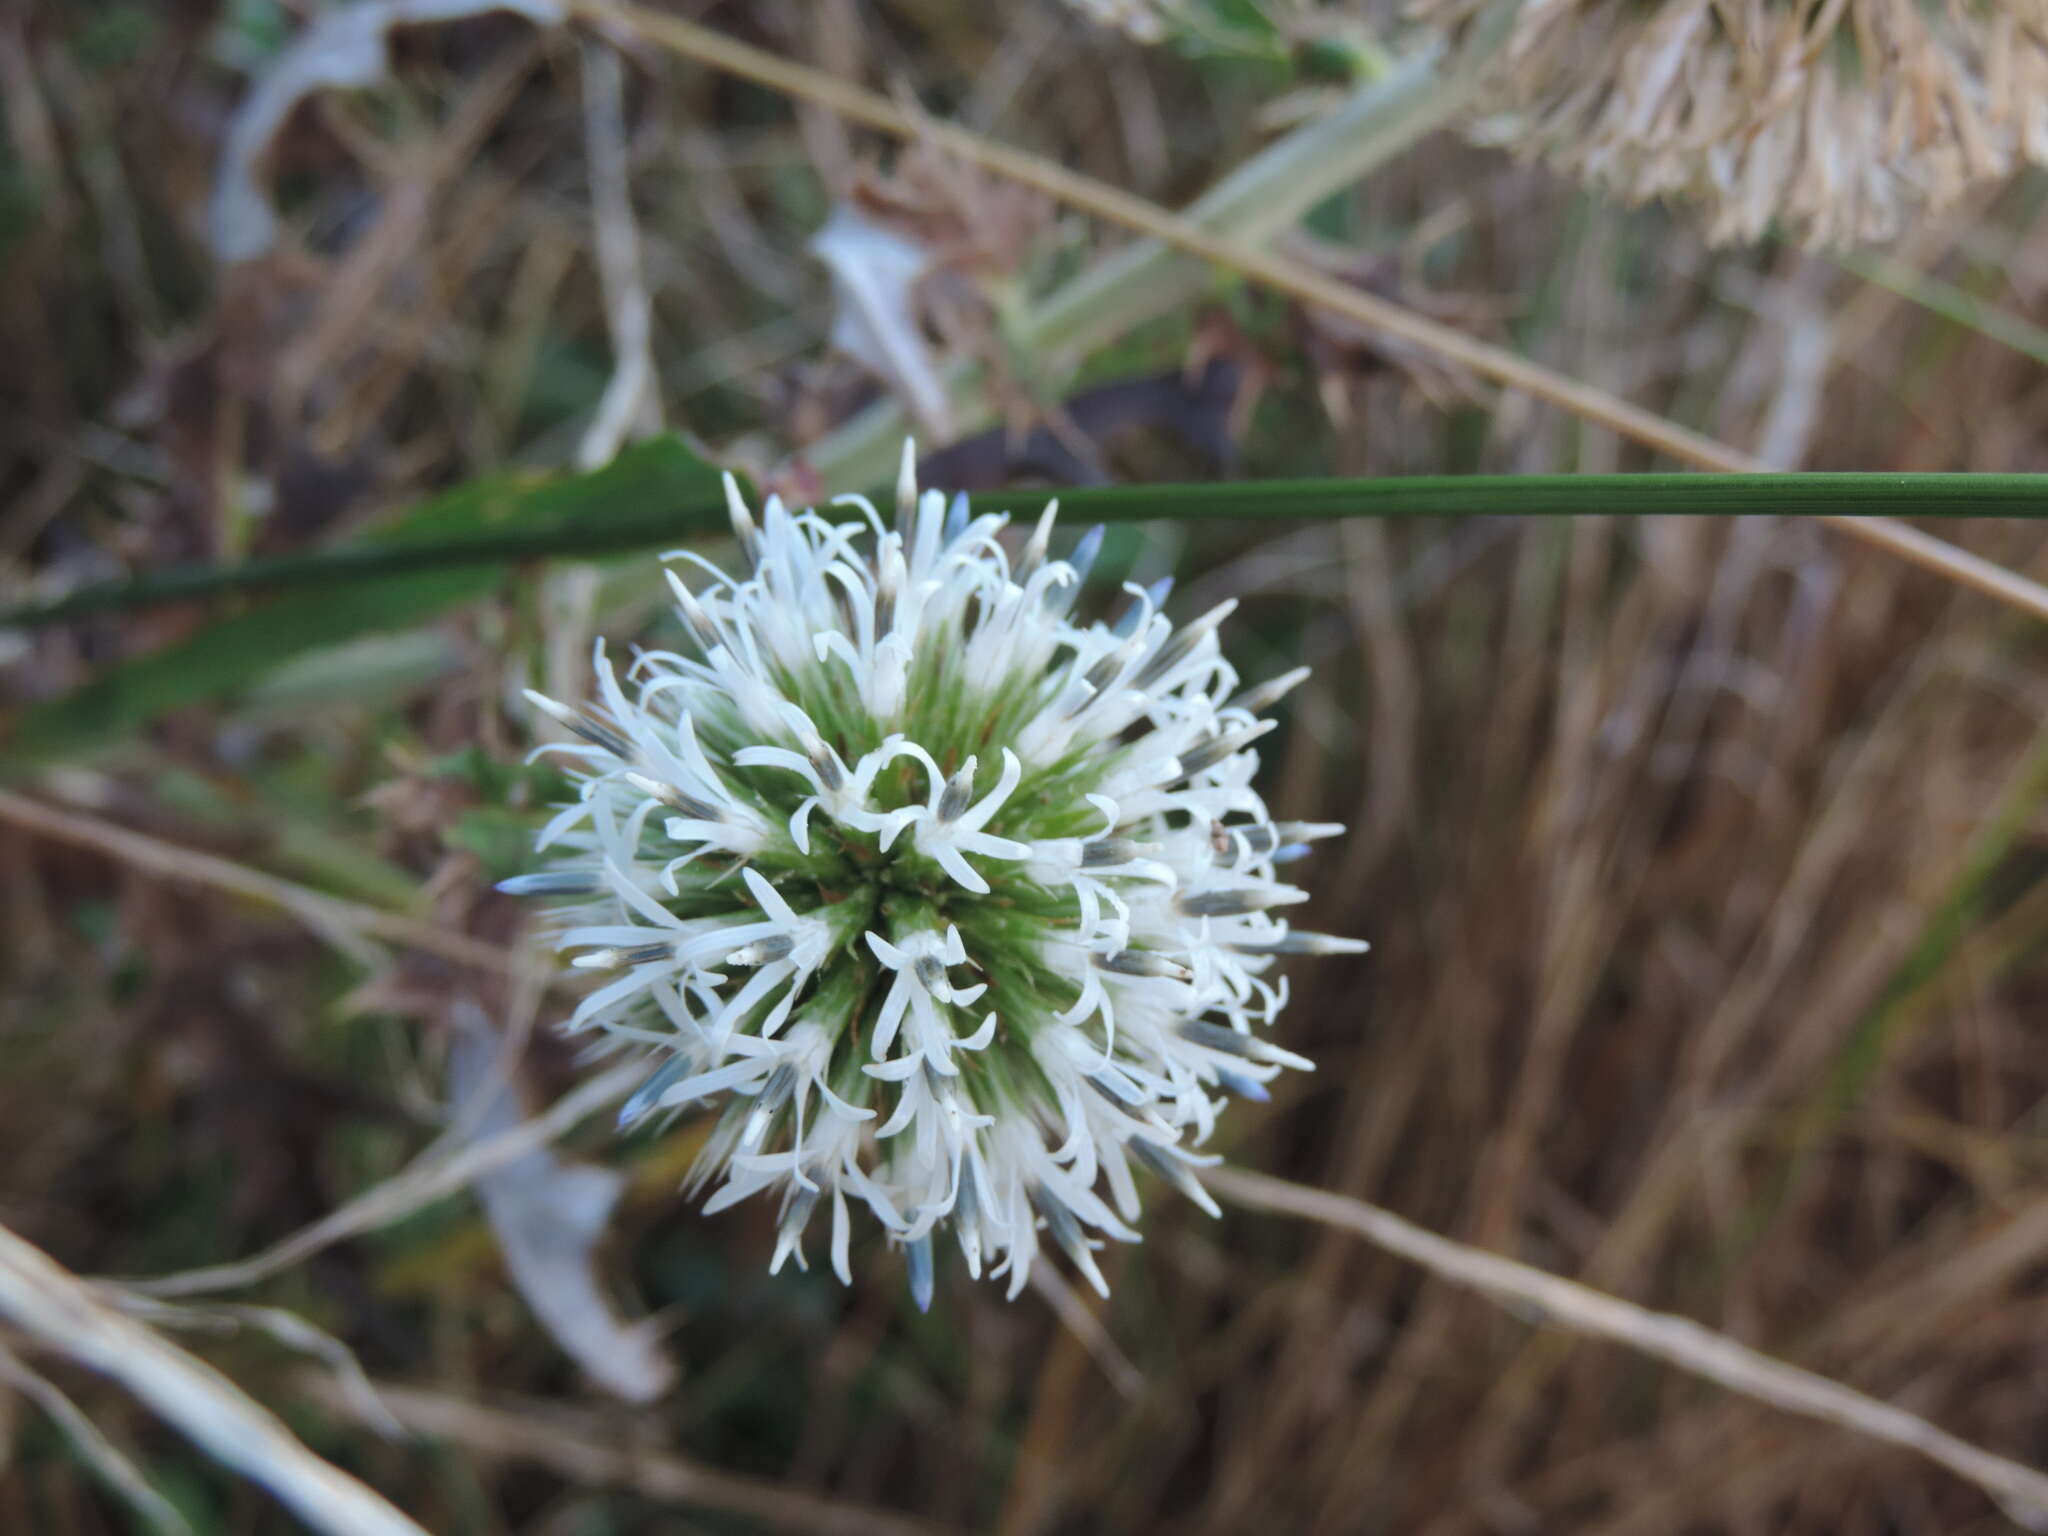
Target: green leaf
646, 517
502, 840
494, 522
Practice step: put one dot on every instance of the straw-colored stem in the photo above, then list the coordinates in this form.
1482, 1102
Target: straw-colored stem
447, 1168
51, 1306
2020, 1490
345, 923
1259, 200
589, 1453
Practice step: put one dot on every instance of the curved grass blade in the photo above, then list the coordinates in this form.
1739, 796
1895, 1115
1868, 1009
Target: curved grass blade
455, 549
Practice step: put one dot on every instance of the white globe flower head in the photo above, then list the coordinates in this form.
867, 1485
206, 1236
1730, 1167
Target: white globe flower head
960, 906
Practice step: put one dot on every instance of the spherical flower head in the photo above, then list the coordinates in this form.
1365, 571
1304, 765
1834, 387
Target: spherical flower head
960, 906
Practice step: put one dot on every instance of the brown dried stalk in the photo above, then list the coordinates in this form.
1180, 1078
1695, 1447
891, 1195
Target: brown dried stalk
57, 1311
446, 1168
594, 1456
1679, 1341
346, 924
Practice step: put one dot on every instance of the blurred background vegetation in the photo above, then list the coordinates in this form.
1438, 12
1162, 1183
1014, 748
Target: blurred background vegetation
1700, 858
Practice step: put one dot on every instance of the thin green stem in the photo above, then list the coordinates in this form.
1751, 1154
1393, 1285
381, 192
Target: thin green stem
1672, 495
1681, 494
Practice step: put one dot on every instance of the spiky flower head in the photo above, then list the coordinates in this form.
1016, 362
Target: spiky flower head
960, 906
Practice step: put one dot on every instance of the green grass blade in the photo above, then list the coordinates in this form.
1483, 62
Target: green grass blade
491, 521
644, 500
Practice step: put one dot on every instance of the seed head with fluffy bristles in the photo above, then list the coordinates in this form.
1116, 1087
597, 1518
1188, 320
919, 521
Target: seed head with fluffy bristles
1839, 119
962, 907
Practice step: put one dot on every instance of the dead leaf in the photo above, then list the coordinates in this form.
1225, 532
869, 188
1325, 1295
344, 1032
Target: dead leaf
346, 47
549, 1216
875, 272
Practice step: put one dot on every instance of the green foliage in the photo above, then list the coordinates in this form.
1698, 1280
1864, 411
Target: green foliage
488, 519
114, 33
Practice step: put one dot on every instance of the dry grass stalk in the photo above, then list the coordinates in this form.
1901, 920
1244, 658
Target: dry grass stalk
108, 1461
446, 1168
347, 925
1678, 1341
57, 1311
1080, 1319
588, 1452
